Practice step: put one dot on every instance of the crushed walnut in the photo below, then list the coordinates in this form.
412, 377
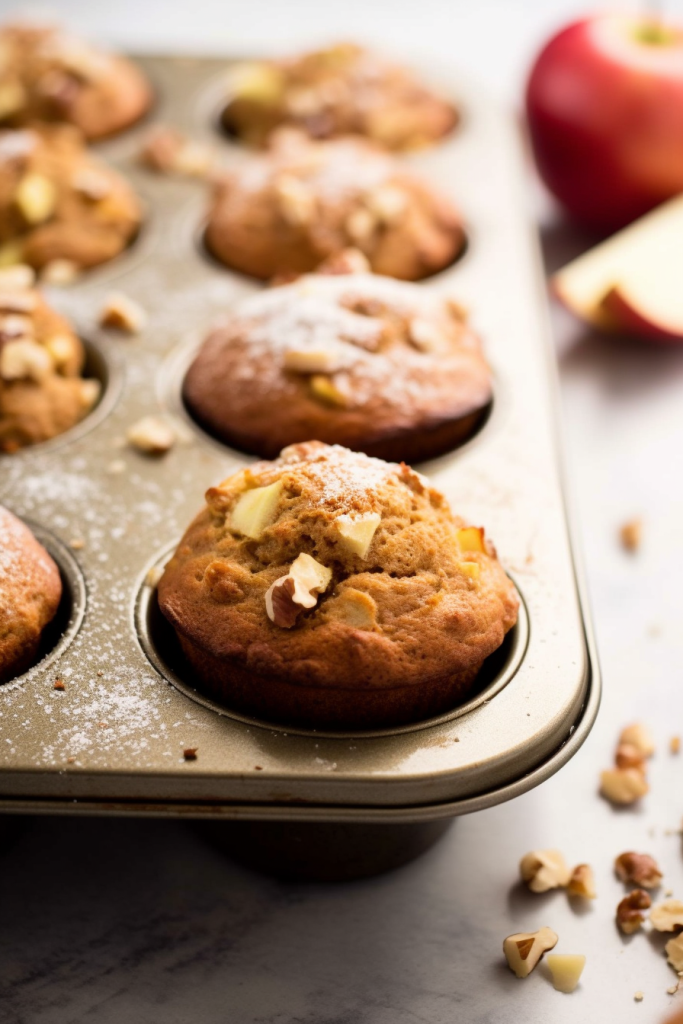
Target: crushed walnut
639, 869
629, 912
289, 595
167, 150
152, 435
524, 949
122, 314
631, 535
543, 870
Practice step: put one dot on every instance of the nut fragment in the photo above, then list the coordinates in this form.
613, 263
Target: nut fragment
623, 785
324, 389
60, 272
24, 360
254, 510
92, 184
543, 870
299, 589
638, 869
152, 435
296, 200
17, 278
387, 202
640, 737
357, 533
307, 359
524, 949
667, 916
36, 198
629, 916
674, 952
168, 151
122, 314
582, 882
628, 756
675, 744
355, 608
566, 970
631, 534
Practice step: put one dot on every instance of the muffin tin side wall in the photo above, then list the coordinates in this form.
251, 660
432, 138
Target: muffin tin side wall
119, 729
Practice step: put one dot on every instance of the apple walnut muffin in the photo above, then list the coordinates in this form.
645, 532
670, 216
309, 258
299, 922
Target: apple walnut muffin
377, 365
47, 74
30, 592
59, 202
301, 201
343, 90
42, 393
330, 589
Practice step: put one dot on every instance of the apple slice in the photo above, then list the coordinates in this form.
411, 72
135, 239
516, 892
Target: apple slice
652, 305
633, 281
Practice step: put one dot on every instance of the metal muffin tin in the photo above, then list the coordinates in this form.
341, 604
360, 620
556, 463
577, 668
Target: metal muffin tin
113, 738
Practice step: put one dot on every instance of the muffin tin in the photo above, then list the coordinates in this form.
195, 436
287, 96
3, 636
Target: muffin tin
113, 738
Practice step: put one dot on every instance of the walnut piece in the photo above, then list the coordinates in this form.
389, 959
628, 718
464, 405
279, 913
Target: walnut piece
674, 952
640, 737
629, 916
60, 272
582, 882
122, 314
524, 949
623, 785
307, 359
667, 916
628, 756
638, 869
25, 360
152, 435
299, 589
543, 870
167, 151
631, 534
566, 970
675, 745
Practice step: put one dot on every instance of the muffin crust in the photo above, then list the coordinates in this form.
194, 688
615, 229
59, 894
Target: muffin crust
400, 631
30, 592
50, 75
302, 201
42, 392
342, 90
374, 364
59, 202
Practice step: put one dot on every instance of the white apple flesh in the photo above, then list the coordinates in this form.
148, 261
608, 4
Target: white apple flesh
634, 281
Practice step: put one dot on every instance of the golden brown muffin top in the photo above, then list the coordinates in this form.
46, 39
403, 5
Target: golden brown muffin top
348, 344
58, 201
334, 569
30, 591
48, 74
342, 90
302, 201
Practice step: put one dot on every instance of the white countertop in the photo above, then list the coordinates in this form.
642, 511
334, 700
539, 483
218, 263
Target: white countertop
111, 921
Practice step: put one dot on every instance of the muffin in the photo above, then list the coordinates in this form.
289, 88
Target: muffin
42, 392
299, 202
333, 590
374, 364
49, 75
343, 90
59, 202
30, 592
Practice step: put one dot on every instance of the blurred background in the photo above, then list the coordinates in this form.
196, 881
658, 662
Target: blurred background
106, 921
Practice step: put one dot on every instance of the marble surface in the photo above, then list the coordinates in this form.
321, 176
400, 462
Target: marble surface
117, 920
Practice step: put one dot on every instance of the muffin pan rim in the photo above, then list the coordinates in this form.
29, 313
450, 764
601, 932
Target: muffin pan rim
106, 774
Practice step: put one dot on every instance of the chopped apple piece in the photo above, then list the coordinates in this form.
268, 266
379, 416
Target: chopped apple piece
471, 538
471, 569
566, 970
254, 510
36, 197
632, 278
357, 533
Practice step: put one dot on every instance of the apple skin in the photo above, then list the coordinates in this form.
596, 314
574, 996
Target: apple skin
605, 114
636, 321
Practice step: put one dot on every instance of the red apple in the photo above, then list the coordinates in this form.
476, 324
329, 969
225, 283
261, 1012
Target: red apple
654, 313
605, 109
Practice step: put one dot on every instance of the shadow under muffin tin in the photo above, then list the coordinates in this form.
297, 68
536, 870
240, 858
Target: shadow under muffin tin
115, 737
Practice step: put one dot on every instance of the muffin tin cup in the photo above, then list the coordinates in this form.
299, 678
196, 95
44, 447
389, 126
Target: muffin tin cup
129, 733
